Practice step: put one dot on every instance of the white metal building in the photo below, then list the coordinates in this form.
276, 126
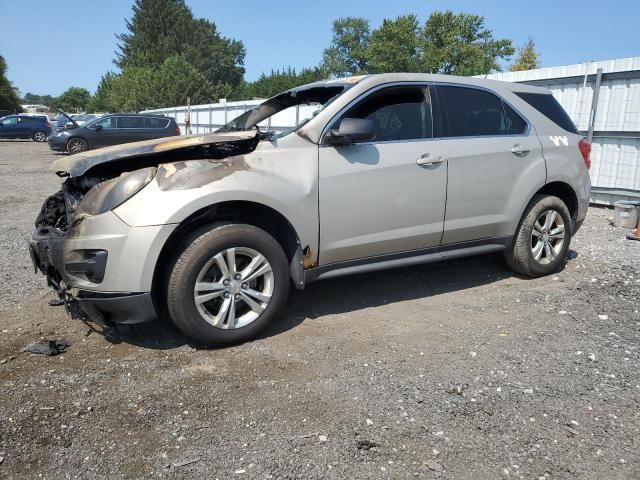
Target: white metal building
613, 126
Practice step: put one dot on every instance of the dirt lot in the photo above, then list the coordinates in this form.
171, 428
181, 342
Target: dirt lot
452, 370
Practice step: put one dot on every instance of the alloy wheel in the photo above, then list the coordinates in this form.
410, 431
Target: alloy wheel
234, 288
39, 136
547, 237
76, 146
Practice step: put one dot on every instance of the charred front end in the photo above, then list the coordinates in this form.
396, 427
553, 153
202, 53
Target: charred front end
90, 256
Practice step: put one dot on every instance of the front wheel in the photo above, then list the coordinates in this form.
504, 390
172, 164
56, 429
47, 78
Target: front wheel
227, 284
77, 145
543, 237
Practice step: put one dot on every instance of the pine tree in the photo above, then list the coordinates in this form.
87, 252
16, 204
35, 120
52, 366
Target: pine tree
528, 58
160, 29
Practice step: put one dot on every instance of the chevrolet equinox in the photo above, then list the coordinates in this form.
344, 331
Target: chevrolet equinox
385, 171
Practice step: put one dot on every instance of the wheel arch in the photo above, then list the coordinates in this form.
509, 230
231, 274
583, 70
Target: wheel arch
252, 213
564, 192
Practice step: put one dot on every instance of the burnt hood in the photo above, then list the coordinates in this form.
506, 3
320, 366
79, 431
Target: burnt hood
131, 156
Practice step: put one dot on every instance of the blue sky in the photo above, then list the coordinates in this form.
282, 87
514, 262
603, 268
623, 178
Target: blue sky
52, 45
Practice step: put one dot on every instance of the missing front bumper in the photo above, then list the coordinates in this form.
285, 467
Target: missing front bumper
46, 251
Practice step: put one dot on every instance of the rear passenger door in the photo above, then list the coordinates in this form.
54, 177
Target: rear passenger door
495, 164
131, 129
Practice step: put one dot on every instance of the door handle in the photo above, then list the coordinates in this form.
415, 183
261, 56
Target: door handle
518, 149
426, 160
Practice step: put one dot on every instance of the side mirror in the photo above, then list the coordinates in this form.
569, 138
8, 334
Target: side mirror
98, 128
352, 130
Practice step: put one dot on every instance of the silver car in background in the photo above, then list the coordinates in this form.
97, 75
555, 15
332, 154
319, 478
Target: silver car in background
390, 170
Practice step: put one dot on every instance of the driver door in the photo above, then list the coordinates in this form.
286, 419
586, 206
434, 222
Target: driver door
9, 128
104, 133
386, 195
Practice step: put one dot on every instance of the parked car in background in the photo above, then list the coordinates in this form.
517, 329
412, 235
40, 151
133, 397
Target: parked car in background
392, 170
35, 127
112, 129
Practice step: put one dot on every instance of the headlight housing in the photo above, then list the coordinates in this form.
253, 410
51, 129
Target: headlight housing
110, 194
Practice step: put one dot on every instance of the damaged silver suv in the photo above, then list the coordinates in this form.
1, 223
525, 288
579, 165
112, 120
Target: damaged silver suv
389, 170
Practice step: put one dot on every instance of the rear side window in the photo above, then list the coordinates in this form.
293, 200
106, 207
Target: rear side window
130, 122
398, 113
547, 105
469, 112
156, 122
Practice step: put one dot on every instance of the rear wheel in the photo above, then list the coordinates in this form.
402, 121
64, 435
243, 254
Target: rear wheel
39, 136
543, 237
227, 284
77, 145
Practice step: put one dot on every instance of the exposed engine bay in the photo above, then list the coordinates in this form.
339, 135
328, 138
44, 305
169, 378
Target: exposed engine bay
86, 176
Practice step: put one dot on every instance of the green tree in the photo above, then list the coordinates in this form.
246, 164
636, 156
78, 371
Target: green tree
347, 53
74, 99
461, 45
278, 81
160, 29
456, 44
32, 98
9, 99
101, 100
141, 88
527, 59
395, 46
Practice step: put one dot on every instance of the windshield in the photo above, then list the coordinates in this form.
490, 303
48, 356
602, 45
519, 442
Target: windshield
287, 112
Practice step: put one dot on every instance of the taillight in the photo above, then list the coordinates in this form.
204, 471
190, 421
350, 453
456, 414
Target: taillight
177, 130
585, 150
47, 124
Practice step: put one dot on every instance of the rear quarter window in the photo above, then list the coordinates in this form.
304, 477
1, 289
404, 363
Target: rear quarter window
547, 105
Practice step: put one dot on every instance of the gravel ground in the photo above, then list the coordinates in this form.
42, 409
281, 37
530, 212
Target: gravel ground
451, 370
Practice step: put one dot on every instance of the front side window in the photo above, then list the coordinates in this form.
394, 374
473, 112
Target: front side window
10, 122
398, 113
130, 122
109, 122
470, 112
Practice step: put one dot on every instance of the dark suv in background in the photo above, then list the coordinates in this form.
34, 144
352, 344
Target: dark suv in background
112, 129
35, 127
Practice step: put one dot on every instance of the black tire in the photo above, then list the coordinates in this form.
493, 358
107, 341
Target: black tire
520, 256
39, 136
198, 249
77, 145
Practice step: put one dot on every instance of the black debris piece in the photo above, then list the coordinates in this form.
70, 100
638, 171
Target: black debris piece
46, 347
